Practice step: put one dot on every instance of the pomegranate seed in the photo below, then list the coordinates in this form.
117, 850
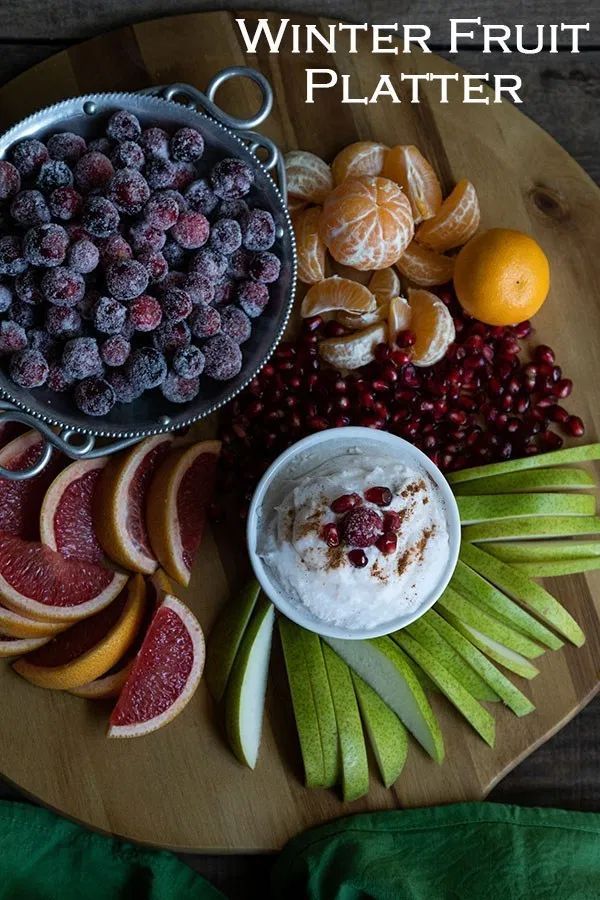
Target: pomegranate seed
358, 558
380, 496
331, 535
522, 330
406, 338
380, 386
372, 422
341, 421
313, 323
400, 357
392, 521
523, 403
345, 503
382, 352
556, 373
574, 426
549, 440
457, 417
563, 388
387, 543
334, 329
558, 414
544, 354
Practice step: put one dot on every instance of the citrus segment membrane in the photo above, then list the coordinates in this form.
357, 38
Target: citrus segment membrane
308, 176
360, 158
406, 165
309, 246
424, 267
456, 221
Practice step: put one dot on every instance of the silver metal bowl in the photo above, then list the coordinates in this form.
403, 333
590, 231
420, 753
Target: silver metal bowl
174, 106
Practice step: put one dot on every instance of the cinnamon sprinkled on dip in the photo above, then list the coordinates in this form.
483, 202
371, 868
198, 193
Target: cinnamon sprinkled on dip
326, 579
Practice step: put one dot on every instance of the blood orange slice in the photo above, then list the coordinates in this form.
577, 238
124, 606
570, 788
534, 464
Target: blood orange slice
120, 504
179, 495
165, 674
15, 625
89, 648
20, 501
66, 522
39, 583
11, 646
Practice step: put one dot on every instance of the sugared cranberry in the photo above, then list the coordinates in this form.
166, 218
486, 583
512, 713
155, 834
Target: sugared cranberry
27, 287
128, 155
330, 534
83, 256
63, 286
160, 173
225, 236
147, 367
63, 321
46, 245
200, 289
380, 496
100, 217
187, 145
264, 267
94, 397
10, 180
191, 230
179, 390
28, 156
205, 321
162, 210
93, 170
209, 264
223, 358
231, 179
358, 559
155, 142
13, 254
65, 203
176, 304
53, 174
170, 336
115, 350
109, 315
200, 197
123, 126
252, 296
145, 313
259, 230
188, 362
81, 358
362, 527
28, 368
29, 208
12, 336
126, 279
235, 324
129, 191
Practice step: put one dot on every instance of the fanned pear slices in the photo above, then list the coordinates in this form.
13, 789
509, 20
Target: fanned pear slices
433, 326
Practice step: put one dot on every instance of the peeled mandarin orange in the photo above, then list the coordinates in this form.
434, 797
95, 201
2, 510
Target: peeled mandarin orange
337, 294
456, 221
357, 322
425, 267
432, 325
353, 350
385, 284
361, 158
309, 246
366, 223
399, 315
502, 277
308, 176
406, 165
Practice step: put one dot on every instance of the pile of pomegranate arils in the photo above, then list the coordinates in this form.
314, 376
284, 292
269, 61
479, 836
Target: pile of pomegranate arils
484, 402
128, 264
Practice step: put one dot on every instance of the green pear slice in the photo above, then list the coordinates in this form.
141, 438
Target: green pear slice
558, 567
587, 453
424, 679
226, 637
319, 682
245, 695
476, 715
422, 632
536, 527
383, 665
525, 590
488, 507
512, 661
387, 735
353, 752
473, 587
510, 695
478, 618
303, 702
529, 480
542, 551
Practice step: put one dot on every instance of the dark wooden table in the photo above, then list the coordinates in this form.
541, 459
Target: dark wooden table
561, 93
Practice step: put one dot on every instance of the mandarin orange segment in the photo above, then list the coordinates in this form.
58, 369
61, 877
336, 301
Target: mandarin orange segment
456, 221
385, 284
295, 205
361, 158
353, 350
432, 325
309, 246
366, 223
425, 267
337, 294
399, 315
358, 322
308, 176
406, 165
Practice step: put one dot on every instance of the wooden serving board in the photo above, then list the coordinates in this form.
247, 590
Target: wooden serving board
182, 788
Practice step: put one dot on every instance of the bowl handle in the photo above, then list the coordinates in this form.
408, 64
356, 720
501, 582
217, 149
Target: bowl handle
244, 128
69, 441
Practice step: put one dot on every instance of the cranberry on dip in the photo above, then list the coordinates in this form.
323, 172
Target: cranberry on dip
353, 533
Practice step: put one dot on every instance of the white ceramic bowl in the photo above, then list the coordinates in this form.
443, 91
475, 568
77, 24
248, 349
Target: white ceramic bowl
327, 444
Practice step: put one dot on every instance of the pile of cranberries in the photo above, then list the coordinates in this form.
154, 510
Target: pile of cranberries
128, 263
363, 526
484, 402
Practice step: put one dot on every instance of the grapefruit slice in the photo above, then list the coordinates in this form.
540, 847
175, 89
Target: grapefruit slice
120, 504
66, 523
11, 646
106, 687
89, 648
37, 582
14, 625
165, 673
179, 495
20, 501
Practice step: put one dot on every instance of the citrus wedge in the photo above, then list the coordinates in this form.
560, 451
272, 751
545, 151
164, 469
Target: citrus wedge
357, 323
433, 327
361, 158
456, 221
11, 646
120, 501
66, 522
309, 246
384, 284
337, 294
107, 686
179, 495
425, 267
399, 314
353, 350
39, 583
406, 165
308, 176
165, 673
20, 501
89, 648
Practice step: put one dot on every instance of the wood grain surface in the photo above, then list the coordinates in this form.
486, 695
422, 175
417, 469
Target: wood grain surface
181, 788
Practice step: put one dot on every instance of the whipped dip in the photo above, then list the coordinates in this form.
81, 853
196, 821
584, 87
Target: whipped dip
322, 578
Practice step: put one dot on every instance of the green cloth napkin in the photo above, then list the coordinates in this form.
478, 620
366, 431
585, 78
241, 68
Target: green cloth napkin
43, 857
469, 851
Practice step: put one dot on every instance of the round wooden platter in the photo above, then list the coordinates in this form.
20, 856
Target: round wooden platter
182, 788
